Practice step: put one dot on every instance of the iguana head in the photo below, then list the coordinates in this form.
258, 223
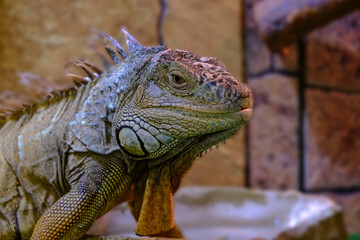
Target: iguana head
162, 105
180, 102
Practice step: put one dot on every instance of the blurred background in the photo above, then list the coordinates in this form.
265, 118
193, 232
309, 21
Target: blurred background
305, 130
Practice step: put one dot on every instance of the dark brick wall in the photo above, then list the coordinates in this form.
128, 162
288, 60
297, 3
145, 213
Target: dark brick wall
305, 130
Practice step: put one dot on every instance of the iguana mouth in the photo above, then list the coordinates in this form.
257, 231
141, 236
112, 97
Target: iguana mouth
234, 108
211, 112
245, 113
208, 108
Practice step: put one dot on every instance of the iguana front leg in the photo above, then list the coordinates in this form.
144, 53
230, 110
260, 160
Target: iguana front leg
104, 181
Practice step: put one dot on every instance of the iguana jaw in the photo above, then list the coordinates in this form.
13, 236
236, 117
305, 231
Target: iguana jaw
162, 126
199, 139
206, 141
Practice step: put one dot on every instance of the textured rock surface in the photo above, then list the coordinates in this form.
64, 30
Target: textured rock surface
351, 207
273, 141
332, 143
258, 57
330, 228
131, 238
199, 209
287, 59
333, 55
282, 22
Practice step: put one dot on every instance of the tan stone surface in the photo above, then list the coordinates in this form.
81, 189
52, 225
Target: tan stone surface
206, 28
332, 142
211, 29
333, 55
39, 36
351, 207
224, 166
273, 140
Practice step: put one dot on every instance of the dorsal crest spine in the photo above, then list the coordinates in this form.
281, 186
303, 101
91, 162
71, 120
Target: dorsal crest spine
132, 43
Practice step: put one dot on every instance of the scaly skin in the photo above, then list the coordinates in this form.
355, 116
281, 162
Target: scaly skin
135, 128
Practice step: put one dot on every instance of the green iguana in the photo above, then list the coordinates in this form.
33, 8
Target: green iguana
128, 134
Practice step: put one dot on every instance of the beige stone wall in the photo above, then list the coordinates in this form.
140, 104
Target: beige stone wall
40, 36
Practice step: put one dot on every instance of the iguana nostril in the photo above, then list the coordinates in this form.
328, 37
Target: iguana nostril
230, 93
245, 94
245, 100
239, 96
244, 91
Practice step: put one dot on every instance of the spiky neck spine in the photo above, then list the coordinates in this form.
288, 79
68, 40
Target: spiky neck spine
102, 97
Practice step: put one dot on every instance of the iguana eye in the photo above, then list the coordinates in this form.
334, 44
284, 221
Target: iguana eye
177, 80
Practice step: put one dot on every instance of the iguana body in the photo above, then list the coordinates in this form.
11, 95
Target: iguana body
135, 128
